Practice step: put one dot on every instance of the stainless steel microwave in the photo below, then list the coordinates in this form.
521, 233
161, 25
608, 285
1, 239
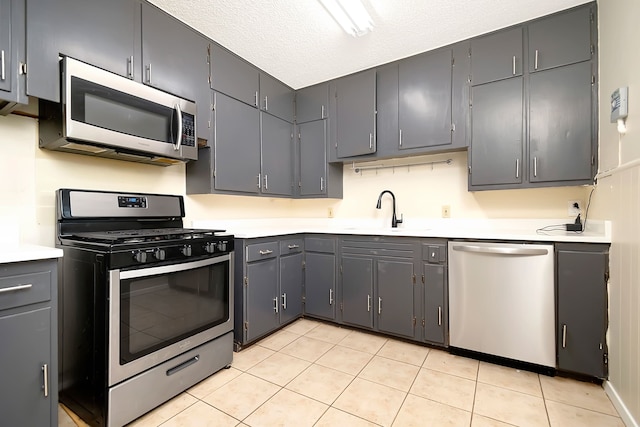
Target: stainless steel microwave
107, 115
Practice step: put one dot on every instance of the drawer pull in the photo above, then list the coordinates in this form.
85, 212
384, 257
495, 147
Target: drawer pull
267, 252
16, 288
293, 246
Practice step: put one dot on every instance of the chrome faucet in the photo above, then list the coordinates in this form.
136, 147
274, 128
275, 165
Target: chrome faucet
394, 221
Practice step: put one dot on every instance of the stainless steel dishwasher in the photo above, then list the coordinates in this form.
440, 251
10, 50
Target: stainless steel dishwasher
501, 300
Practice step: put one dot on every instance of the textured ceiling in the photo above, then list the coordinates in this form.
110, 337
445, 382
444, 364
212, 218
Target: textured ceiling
297, 41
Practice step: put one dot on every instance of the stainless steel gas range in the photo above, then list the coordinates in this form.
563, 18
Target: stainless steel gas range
146, 306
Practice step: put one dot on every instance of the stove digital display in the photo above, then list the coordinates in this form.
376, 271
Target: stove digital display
132, 202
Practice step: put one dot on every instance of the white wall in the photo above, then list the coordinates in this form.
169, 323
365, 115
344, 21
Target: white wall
617, 195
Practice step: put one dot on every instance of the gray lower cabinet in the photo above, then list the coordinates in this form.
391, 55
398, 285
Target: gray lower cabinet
320, 277
435, 320
184, 72
356, 114
102, 33
12, 55
582, 276
312, 103
378, 284
268, 286
28, 327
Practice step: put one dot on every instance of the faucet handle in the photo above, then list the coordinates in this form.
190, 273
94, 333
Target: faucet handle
399, 221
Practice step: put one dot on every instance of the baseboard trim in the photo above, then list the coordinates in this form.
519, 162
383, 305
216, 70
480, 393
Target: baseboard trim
622, 409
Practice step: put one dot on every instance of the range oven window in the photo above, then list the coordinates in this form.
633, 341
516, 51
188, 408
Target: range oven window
157, 311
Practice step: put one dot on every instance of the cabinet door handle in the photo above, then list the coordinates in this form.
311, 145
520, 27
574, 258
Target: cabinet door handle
266, 181
379, 305
517, 168
2, 73
321, 183
330, 296
266, 252
322, 111
368, 303
266, 103
255, 99
258, 185
400, 138
275, 305
293, 246
45, 374
284, 301
514, 65
564, 336
370, 141
16, 288
130, 67
439, 315
535, 60
148, 77
535, 166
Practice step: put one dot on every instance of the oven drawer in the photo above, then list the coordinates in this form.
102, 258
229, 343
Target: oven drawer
25, 283
290, 246
260, 251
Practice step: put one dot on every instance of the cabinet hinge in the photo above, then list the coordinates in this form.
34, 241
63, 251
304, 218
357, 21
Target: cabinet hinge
453, 127
423, 279
341, 306
423, 323
304, 299
213, 173
22, 68
469, 78
299, 184
593, 79
605, 358
304, 265
414, 322
593, 49
469, 52
469, 170
414, 279
340, 268
453, 61
606, 278
246, 326
246, 281
593, 159
591, 16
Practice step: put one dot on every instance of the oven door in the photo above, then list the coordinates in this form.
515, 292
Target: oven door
156, 313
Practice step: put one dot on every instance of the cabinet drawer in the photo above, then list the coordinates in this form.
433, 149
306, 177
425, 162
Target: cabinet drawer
319, 244
434, 252
291, 246
260, 251
22, 289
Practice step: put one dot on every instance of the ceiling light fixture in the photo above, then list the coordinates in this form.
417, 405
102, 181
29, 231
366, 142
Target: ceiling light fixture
351, 15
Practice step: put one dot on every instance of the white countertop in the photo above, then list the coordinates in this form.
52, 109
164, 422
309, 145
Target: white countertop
11, 250
480, 229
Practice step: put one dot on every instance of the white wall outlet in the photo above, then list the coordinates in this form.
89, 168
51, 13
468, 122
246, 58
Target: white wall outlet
446, 211
330, 212
574, 207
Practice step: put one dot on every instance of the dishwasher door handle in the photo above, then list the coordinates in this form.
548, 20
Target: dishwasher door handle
501, 250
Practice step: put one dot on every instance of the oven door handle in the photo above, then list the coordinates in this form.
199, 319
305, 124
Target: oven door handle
173, 268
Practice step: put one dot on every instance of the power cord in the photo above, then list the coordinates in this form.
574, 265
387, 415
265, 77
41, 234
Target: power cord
563, 227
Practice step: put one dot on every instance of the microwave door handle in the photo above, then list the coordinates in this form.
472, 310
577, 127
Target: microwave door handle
178, 139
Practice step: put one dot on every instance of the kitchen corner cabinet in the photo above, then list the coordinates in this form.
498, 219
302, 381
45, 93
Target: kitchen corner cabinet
317, 178
28, 327
378, 284
320, 273
533, 110
12, 55
435, 320
312, 103
581, 279
355, 114
268, 286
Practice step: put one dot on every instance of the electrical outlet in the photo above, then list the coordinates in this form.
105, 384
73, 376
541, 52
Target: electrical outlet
574, 207
446, 211
330, 212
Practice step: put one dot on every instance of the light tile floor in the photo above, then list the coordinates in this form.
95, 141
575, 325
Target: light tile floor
316, 374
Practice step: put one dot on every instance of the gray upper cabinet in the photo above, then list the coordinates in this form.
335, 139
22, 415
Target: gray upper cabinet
563, 151
356, 114
496, 56
183, 72
582, 274
276, 98
424, 100
236, 137
102, 33
312, 103
12, 54
277, 156
561, 39
497, 135
313, 159
234, 76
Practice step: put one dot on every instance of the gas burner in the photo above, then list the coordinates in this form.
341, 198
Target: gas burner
145, 235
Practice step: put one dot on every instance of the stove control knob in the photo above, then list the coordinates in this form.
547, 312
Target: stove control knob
222, 246
186, 250
210, 247
159, 254
140, 256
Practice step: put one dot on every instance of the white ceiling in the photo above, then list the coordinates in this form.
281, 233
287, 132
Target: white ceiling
297, 41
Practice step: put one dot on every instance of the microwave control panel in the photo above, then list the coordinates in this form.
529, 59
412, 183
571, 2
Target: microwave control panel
188, 130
